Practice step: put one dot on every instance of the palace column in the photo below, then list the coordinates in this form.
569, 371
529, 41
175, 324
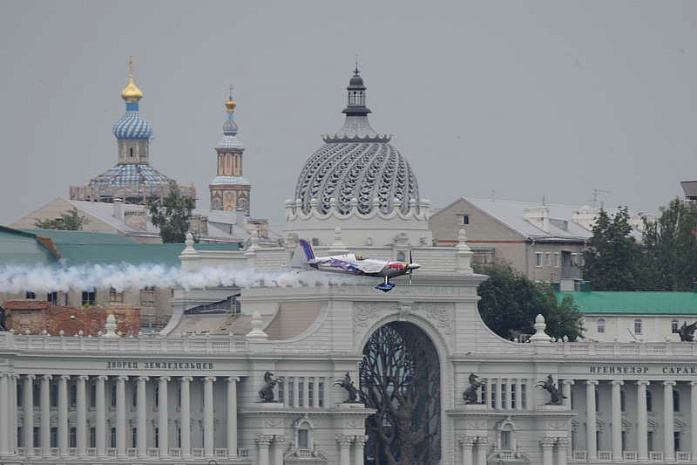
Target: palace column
46, 415
547, 451
14, 438
359, 449
163, 417
591, 442
101, 416
208, 416
5, 417
142, 416
508, 398
617, 420
263, 441
466, 444
63, 415
668, 445
186, 415
642, 421
562, 450
121, 416
693, 418
81, 416
566, 392
278, 442
29, 415
232, 416
482, 442
316, 394
344, 442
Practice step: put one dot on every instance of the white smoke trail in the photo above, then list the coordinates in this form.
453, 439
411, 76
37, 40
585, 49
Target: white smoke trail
15, 279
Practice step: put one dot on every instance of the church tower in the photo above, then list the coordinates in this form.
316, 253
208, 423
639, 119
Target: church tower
229, 189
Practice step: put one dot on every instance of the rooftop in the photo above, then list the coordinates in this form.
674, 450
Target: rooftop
631, 303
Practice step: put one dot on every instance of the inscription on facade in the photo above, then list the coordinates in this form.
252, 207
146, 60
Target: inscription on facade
174, 366
672, 369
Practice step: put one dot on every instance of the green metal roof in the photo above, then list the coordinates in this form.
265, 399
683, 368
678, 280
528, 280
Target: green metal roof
80, 237
647, 303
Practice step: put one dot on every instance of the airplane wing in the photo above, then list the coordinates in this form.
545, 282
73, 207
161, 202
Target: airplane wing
371, 266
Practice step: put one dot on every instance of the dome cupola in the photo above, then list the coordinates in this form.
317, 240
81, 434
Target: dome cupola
132, 125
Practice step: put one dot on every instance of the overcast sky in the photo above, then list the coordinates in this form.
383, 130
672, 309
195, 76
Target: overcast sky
514, 99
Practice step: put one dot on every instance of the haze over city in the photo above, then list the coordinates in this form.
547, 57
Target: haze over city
504, 99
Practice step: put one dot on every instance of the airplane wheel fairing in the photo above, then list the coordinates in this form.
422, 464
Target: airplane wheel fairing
385, 287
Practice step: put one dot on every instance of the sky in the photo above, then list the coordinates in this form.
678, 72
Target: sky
513, 100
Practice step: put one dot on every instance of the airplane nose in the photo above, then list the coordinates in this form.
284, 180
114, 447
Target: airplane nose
414, 266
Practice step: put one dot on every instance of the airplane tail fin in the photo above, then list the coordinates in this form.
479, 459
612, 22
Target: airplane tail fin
303, 254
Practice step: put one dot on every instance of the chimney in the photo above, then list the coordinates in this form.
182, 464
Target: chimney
538, 216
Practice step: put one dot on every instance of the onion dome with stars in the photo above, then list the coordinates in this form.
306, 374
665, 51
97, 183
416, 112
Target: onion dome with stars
132, 125
357, 163
230, 140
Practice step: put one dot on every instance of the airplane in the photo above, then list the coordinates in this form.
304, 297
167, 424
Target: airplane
354, 264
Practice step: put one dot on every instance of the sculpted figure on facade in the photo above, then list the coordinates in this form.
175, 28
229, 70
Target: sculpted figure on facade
266, 393
556, 395
687, 332
354, 396
471, 394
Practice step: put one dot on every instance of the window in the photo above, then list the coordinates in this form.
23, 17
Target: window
93, 437
179, 437
674, 326
303, 438
113, 437
291, 391
676, 441
147, 297
53, 390
93, 396
134, 437
311, 392
135, 398
89, 297
465, 219
649, 403
73, 395
19, 396
623, 400
548, 258
115, 296
624, 440
597, 400
538, 259
401, 257
321, 392
637, 327
72, 440
37, 436
113, 396
281, 389
52, 297
130, 152
504, 391
37, 395
676, 401
513, 396
156, 395
157, 437
523, 396
493, 395
601, 325
301, 392
506, 443
54, 436
30, 295
649, 440
556, 259
20, 436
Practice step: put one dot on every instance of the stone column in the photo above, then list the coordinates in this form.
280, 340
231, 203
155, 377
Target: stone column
14, 421
296, 392
482, 444
547, 445
208, 416
5, 416
278, 442
530, 399
617, 420
466, 443
642, 421
509, 394
693, 418
263, 441
562, 450
186, 415
232, 416
668, 445
163, 417
142, 416
316, 395
121, 416
46, 415
81, 416
63, 415
591, 444
29, 415
101, 416
359, 449
519, 395
566, 391
344, 449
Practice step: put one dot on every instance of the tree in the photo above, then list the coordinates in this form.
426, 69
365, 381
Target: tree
614, 260
400, 379
68, 221
172, 215
670, 245
509, 303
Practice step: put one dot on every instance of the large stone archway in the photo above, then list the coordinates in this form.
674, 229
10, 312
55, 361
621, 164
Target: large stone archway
400, 378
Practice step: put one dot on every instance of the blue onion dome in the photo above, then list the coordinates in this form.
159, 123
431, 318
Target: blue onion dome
230, 140
133, 175
357, 163
132, 125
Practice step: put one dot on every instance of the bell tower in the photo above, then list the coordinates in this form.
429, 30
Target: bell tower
230, 190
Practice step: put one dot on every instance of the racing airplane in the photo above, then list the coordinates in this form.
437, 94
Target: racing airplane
353, 264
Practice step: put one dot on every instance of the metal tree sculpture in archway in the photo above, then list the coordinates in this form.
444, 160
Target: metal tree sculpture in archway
400, 378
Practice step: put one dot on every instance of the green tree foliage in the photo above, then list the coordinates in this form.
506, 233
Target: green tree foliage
172, 215
510, 302
614, 260
69, 221
670, 245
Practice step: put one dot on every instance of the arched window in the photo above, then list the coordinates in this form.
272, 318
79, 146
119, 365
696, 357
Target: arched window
638, 327
401, 257
303, 438
674, 326
601, 325
506, 433
676, 400
303, 433
649, 401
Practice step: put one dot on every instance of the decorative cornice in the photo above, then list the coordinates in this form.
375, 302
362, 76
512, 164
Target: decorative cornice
419, 211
